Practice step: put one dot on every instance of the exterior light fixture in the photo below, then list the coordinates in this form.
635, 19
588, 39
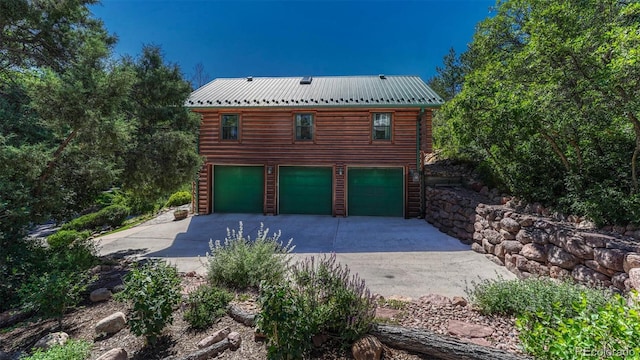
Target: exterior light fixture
340, 171
269, 170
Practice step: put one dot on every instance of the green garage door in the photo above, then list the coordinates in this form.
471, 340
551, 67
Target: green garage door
238, 189
375, 192
305, 190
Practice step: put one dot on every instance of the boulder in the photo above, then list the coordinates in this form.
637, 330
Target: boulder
510, 225
214, 338
524, 237
367, 348
618, 280
585, 275
101, 294
492, 236
111, 324
51, 340
478, 248
496, 260
561, 258
459, 301
557, 272
234, 340
115, 354
596, 240
511, 246
488, 246
631, 260
634, 278
467, 330
594, 265
499, 251
534, 252
577, 247
610, 258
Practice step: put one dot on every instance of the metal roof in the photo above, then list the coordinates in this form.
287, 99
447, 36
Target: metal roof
317, 91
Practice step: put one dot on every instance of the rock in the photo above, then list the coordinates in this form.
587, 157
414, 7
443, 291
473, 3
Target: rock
111, 324
488, 246
586, 225
492, 236
435, 299
467, 330
499, 251
531, 266
540, 237
631, 260
459, 301
510, 225
610, 258
115, 354
118, 288
101, 294
511, 246
234, 340
507, 235
51, 340
209, 352
618, 280
577, 247
594, 265
478, 248
561, 258
596, 240
480, 341
496, 260
214, 338
524, 237
585, 275
367, 347
534, 252
557, 272
634, 278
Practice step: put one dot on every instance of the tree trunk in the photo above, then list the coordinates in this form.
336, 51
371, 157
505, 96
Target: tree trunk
435, 345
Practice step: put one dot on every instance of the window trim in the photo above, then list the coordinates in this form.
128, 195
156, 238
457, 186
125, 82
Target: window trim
238, 127
372, 127
313, 128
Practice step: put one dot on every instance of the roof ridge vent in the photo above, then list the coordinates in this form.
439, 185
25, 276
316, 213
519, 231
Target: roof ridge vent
306, 80
382, 76
249, 78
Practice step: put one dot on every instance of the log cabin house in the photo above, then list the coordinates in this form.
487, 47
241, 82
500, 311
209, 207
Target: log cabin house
335, 145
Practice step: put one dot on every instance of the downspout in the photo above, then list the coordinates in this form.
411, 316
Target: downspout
418, 165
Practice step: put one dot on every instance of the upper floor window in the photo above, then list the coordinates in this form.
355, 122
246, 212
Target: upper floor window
381, 126
230, 127
304, 126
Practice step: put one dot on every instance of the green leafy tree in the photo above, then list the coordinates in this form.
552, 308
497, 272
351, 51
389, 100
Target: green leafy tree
545, 102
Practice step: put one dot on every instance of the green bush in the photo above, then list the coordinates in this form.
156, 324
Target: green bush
205, 305
153, 290
608, 331
179, 198
72, 350
319, 298
516, 297
64, 238
51, 294
242, 263
112, 216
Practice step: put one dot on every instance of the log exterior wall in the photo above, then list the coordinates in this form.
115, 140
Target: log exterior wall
342, 138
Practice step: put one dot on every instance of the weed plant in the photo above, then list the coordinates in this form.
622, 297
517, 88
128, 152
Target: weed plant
243, 263
206, 305
72, 350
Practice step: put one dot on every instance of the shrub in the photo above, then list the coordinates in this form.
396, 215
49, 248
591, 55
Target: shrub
64, 238
319, 298
53, 293
516, 297
608, 331
113, 216
179, 198
72, 350
153, 291
205, 305
242, 263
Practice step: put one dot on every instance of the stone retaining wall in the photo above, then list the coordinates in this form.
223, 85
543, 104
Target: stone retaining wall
529, 244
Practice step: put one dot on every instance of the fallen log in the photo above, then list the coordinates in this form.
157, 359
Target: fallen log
239, 315
438, 346
12, 317
209, 352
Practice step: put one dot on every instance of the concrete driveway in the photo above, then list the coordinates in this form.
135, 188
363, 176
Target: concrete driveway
395, 256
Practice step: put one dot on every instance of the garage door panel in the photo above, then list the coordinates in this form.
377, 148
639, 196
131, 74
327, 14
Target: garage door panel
305, 190
375, 191
238, 189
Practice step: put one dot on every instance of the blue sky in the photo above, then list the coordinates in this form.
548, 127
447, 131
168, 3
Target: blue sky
296, 38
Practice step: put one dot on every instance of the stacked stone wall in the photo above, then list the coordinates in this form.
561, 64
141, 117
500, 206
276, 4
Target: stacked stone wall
532, 244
